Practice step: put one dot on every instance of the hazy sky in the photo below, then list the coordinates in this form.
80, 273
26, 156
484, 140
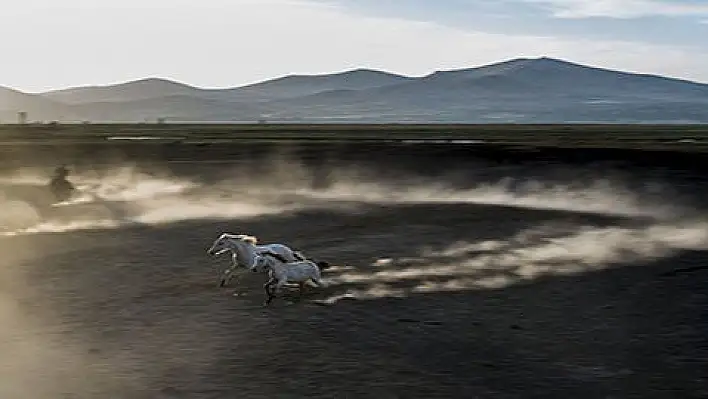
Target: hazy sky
217, 43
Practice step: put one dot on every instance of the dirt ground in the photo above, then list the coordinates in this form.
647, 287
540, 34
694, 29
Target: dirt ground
467, 293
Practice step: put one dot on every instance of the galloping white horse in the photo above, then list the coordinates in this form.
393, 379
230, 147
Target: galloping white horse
243, 251
281, 273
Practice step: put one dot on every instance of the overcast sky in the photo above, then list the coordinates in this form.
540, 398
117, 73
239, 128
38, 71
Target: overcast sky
48, 44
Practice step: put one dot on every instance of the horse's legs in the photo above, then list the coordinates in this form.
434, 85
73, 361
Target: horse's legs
229, 273
233, 275
224, 276
279, 286
269, 291
301, 285
227, 276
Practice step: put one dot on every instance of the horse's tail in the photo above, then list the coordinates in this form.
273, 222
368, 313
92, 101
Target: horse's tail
317, 272
322, 265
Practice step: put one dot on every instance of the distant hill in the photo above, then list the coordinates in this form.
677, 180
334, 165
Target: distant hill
520, 90
173, 108
523, 90
130, 91
544, 80
37, 107
303, 85
285, 87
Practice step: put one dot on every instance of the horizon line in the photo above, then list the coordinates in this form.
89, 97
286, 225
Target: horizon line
344, 71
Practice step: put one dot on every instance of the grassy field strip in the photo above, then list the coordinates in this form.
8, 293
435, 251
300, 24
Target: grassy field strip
660, 137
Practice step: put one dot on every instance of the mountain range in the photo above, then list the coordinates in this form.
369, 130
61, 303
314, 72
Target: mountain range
522, 90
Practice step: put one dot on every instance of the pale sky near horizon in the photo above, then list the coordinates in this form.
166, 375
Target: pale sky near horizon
52, 44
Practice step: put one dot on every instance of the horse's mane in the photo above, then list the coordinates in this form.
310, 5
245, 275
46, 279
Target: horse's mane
243, 237
250, 239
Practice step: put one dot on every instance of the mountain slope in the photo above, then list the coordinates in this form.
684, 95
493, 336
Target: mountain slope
285, 87
302, 85
173, 108
130, 91
522, 90
37, 107
554, 77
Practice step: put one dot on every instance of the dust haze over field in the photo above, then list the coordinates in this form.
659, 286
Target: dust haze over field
37, 360
128, 194
115, 285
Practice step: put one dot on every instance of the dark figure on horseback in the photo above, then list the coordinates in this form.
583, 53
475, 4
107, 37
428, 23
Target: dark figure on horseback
60, 186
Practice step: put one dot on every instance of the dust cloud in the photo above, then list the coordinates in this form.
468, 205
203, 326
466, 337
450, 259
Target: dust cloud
531, 254
39, 362
15, 214
126, 197
39, 358
600, 197
131, 195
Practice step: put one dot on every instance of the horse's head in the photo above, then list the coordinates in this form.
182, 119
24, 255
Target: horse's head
220, 245
261, 264
264, 261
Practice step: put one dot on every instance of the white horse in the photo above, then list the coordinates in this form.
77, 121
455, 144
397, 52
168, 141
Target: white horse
282, 273
243, 251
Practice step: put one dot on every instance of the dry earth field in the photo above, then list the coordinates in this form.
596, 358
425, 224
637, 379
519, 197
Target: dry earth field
458, 273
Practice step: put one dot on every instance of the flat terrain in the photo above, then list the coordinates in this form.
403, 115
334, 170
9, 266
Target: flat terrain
672, 136
456, 276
